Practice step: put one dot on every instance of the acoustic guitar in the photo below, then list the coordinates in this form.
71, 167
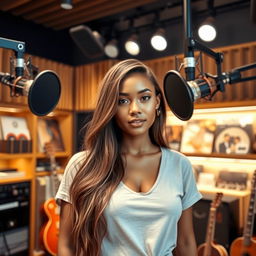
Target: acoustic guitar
50, 231
209, 248
245, 245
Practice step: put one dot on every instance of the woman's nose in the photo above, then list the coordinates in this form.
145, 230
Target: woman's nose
134, 107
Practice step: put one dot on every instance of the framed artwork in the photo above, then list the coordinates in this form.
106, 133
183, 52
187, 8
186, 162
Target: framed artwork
49, 131
198, 136
233, 139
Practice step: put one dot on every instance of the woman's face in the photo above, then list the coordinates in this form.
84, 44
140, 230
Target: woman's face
137, 105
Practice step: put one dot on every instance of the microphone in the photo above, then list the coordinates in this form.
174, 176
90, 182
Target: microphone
181, 94
43, 92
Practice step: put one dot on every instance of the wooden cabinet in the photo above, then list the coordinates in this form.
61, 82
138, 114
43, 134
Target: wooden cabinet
26, 162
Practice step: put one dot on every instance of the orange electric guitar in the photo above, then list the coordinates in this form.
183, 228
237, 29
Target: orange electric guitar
245, 245
209, 248
50, 231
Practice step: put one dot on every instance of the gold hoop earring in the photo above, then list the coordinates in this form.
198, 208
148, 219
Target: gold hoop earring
158, 112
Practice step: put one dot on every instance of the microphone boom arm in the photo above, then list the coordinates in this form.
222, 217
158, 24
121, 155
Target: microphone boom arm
235, 74
217, 56
19, 48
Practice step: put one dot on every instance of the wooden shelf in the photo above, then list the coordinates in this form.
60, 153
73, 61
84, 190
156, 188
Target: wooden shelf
57, 154
15, 156
26, 162
16, 179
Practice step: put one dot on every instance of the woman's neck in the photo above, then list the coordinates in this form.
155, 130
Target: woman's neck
138, 145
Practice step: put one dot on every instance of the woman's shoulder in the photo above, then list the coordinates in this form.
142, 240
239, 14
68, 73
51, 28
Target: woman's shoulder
76, 161
78, 157
173, 152
175, 155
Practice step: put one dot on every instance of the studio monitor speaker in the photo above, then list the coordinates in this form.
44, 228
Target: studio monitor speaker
225, 228
88, 41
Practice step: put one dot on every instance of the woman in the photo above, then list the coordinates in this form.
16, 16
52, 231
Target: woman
127, 194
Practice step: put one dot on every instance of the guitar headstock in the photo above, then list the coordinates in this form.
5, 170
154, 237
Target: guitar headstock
217, 200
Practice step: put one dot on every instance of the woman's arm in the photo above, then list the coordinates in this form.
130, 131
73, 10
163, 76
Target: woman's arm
64, 242
186, 244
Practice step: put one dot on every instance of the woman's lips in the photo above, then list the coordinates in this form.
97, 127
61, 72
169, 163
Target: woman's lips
137, 122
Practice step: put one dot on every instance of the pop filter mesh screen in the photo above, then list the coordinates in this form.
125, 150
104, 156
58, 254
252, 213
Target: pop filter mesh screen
44, 93
178, 95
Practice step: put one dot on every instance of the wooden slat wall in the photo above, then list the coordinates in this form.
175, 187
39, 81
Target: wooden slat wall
81, 83
65, 73
87, 80
89, 76
234, 56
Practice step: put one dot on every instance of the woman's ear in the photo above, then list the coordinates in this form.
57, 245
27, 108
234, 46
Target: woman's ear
158, 101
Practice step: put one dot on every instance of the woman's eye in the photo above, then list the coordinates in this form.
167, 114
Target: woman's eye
122, 101
145, 98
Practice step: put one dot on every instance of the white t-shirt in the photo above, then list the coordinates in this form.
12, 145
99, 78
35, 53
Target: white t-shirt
144, 224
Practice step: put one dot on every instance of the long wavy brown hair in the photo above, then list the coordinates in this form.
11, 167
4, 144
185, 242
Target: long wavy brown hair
103, 168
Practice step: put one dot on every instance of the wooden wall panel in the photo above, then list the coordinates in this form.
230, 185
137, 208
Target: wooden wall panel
161, 66
87, 80
64, 72
89, 76
80, 84
234, 56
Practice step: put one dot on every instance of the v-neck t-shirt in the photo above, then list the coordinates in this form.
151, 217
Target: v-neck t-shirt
144, 224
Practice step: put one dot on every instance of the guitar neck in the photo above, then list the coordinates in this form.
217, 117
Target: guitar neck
54, 176
248, 229
210, 230
211, 224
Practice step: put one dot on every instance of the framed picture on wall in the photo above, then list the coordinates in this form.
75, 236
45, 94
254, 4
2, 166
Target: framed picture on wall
49, 131
233, 139
198, 136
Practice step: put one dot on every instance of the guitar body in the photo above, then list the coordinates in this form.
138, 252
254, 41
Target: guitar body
239, 249
49, 233
215, 250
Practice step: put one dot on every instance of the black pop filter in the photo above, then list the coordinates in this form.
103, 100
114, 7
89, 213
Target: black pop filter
44, 93
179, 95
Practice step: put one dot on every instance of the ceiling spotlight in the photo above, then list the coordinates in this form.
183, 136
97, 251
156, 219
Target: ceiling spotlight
158, 40
66, 4
132, 46
111, 49
207, 31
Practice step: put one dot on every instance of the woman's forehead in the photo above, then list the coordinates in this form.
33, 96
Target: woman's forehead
137, 82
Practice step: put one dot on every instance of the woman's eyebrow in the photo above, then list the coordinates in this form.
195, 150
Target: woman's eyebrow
139, 92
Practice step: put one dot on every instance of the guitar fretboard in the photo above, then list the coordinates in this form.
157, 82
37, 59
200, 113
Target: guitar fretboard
211, 224
250, 216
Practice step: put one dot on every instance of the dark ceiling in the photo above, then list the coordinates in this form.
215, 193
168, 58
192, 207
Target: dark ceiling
100, 13
44, 25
